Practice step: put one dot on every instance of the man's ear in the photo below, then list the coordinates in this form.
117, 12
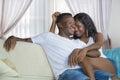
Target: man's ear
60, 25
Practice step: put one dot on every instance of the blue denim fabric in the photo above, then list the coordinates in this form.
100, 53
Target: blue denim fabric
73, 74
78, 74
102, 75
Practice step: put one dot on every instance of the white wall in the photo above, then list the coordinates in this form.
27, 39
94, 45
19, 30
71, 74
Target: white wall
114, 29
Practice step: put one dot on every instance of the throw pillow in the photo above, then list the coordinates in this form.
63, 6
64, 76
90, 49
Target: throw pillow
5, 70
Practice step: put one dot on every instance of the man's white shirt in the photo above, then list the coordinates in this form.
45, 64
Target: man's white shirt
58, 49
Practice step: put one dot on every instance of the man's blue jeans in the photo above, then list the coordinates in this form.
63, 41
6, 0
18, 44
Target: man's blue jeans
78, 74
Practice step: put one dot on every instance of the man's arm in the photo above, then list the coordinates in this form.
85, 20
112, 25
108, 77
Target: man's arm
11, 42
23, 39
54, 18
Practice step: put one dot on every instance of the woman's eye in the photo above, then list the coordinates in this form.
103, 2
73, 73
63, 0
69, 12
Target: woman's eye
79, 26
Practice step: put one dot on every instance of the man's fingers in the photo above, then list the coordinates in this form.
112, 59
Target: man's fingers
76, 60
13, 43
6, 45
70, 60
9, 43
57, 14
81, 57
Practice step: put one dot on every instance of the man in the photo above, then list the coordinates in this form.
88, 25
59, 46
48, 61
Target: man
57, 48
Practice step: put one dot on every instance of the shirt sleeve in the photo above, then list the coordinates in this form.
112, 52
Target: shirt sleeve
39, 39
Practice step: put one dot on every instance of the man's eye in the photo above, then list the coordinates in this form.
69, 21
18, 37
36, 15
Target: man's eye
79, 26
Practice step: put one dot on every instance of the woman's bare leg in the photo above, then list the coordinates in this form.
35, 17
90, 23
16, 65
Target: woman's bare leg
102, 64
87, 68
105, 65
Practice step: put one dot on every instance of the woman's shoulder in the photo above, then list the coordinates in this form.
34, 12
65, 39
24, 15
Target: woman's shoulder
98, 33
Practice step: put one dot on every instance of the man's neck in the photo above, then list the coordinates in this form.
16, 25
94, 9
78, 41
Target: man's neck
64, 35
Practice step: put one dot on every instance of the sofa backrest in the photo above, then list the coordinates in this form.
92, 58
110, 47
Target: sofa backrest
29, 59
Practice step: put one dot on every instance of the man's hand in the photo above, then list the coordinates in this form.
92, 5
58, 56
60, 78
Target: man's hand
10, 43
53, 25
72, 59
55, 15
76, 56
82, 55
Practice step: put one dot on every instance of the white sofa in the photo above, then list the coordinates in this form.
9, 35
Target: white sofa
30, 61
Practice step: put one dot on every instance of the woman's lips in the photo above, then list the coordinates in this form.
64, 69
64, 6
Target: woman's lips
77, 33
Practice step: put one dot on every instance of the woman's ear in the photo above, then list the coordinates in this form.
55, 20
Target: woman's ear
86, 32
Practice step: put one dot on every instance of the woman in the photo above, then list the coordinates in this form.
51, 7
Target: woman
91, 42
88, 34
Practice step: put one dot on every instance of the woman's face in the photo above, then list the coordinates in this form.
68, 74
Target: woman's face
81, 29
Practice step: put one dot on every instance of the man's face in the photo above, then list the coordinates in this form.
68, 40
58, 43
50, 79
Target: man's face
68, 25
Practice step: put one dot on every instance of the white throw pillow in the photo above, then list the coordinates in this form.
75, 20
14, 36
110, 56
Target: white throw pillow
3, 55
5, 70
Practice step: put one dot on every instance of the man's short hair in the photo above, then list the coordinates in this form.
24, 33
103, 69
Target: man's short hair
61, 17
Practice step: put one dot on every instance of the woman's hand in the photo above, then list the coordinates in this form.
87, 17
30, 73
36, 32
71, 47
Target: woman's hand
10, 43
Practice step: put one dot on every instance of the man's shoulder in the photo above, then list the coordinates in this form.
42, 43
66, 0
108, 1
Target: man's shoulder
45, 34
42, 37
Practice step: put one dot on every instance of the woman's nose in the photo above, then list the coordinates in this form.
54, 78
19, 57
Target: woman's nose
74, 26
76, 29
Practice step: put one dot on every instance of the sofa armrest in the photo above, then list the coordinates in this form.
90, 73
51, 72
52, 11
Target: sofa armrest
29, 59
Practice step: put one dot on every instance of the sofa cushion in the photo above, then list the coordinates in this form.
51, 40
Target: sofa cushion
29, 59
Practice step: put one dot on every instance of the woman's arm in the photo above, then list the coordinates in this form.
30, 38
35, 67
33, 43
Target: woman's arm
93, 48
54, 18
90, 51
98, 42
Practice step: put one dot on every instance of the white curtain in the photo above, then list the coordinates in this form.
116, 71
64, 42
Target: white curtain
34, 21
99, 10
11, 12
